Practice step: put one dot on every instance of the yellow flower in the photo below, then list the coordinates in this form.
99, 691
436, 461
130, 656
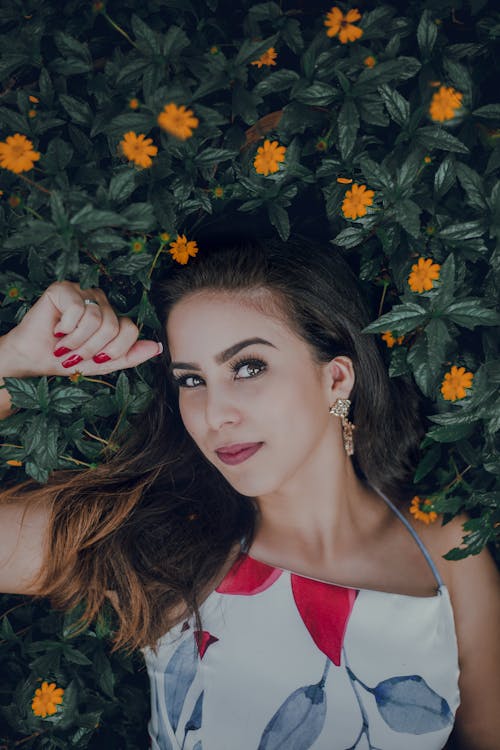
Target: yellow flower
164, 236
181, 249
32, 113
219, 191
417, 509
455, 382
427, 159
13, 292
321, 144
76, 377
138, 148
267, 58
370, 61
445, 104
13, 462
137, 244
33, 99
133, 103
178, 121
356, 200
14, 200
423, 274
390, 340
344, 180
45, 699
268, 157
17, 154
342, 25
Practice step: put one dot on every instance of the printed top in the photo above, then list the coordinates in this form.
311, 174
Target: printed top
286, 662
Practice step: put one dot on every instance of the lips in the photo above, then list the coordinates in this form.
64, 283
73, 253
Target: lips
230, 450
240, 454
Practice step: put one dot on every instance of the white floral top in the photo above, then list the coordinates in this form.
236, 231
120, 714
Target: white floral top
286, 662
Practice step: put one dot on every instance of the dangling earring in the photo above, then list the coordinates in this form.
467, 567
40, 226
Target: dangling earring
341, 409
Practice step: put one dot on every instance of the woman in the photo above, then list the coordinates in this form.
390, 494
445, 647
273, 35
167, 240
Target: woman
252, 532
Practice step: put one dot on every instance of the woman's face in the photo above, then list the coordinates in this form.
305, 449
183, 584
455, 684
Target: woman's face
268, 392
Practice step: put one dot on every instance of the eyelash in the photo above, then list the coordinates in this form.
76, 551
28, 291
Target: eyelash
235, 366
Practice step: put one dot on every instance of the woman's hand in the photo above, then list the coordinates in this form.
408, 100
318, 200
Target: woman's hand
89, 330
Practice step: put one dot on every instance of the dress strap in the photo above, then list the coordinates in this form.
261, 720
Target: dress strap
414, 534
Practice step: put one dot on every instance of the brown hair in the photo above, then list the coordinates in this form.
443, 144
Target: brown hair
156, 522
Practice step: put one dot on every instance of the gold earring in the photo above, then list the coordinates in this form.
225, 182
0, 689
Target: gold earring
341, 409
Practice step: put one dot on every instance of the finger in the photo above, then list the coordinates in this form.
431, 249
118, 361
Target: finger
67, 297
139, 353
114, 338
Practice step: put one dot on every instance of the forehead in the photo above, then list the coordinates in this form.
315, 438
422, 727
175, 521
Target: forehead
209, 319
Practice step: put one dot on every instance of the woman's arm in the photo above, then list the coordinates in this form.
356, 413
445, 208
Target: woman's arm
474, 585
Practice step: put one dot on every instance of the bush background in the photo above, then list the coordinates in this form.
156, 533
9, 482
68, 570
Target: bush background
77, 213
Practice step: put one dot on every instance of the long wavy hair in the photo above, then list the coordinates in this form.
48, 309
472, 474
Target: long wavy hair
155, 523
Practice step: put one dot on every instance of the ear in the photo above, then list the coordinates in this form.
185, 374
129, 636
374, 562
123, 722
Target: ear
338, 378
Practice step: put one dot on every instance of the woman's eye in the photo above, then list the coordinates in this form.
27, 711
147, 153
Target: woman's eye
255, 366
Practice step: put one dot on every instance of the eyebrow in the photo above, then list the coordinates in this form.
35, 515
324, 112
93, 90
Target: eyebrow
222, 356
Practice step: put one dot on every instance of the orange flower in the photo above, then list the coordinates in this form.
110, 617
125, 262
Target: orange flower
267, 58
370, 61
455, 382
423, 274
417, 509
445, 104
356, 200
33, 99
390, 340
181, 249
344, 180
13, 462
218, 191
17, 154
31, 113
14, 200
45, 699
138, 148
268, 157
342, 25
178, 121
133, 103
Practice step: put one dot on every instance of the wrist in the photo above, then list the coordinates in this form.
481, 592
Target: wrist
12, 364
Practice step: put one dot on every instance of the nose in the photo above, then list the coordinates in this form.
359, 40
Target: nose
221, 408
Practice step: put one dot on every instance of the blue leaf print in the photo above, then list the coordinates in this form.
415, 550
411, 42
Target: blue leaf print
178, 676
408, 704
162, 738
198, 746
194, 722
298, 722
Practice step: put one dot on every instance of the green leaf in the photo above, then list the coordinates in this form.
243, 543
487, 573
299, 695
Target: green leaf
401, 319
430, 459
376, 175
122, 391
432, 137
488, 112
265, 11
349, 237
418, 359
71, 47
397, 106
139, 122
318, 94
291, 34
391, 70
470, 312
473, 186
174, 41
408, 216
23, 392
451, 433
58, 212
213, 156
274, 82
64, 399
427, 33
146, 38
348, 126
78, 110
278, 217
88, 218
122, 185
445, 176
139, 217
462, 231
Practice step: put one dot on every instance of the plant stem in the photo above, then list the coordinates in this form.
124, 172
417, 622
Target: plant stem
34, 184
119, 29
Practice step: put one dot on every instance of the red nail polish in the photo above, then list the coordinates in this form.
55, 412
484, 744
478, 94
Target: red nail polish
61, 350
59, 335
99, 358
72, 360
